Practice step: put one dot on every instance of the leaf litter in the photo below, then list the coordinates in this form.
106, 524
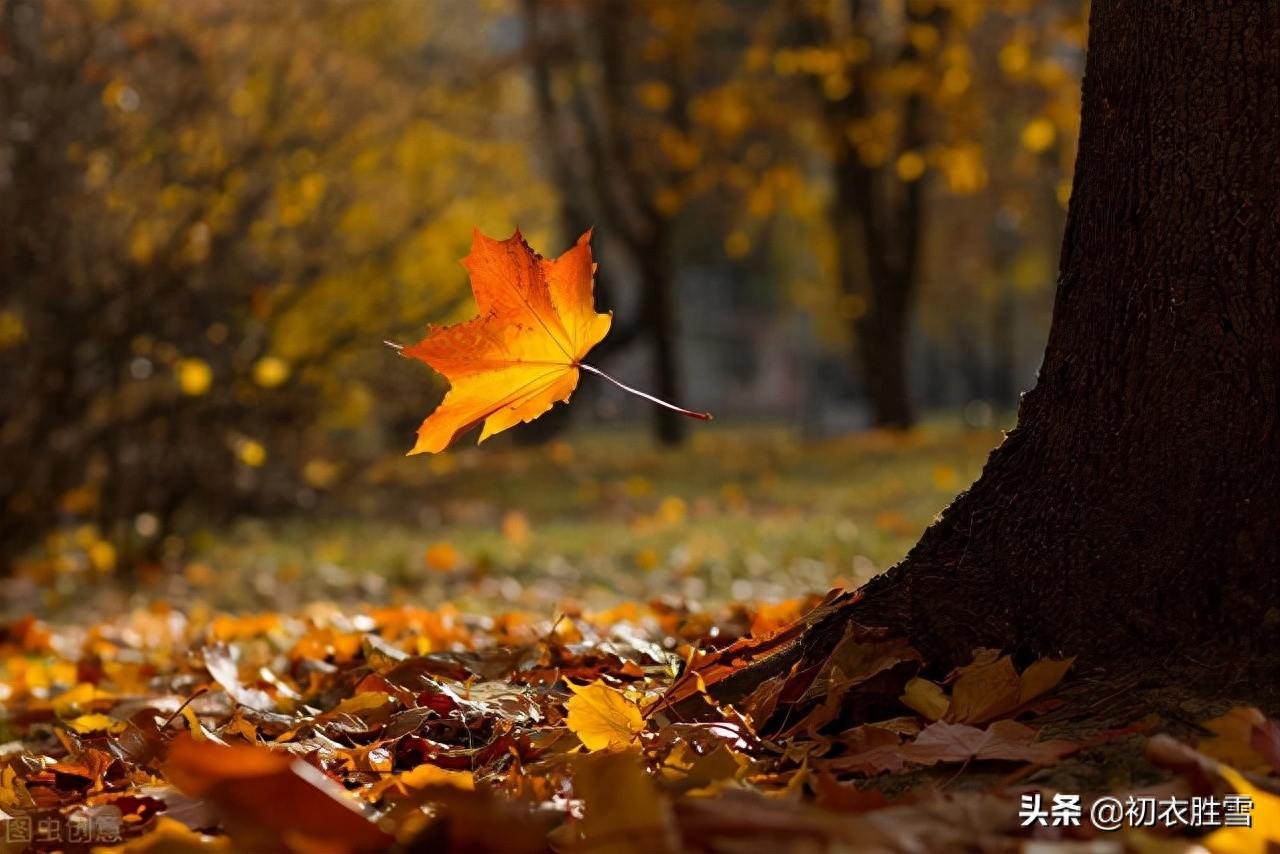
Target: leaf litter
406, 729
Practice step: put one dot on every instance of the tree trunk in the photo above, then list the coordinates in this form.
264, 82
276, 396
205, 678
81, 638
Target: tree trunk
877, 217
659, 314
1136, 507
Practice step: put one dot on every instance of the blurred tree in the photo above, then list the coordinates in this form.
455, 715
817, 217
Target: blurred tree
644, 120
210, 214
901, 92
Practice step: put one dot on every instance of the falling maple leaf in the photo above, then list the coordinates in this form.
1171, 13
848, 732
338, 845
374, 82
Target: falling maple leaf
523, 351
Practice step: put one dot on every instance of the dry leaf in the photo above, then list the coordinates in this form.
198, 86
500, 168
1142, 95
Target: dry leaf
263, 795
927, 698
602, 717
1232, 739
1042, 676
172, 837
1263, 836
984, 692
622, 809
1003, 740
535, 321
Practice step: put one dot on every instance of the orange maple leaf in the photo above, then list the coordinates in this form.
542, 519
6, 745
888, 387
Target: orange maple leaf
521, 354
523, 351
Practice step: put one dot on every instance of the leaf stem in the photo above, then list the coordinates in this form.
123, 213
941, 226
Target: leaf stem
701, 416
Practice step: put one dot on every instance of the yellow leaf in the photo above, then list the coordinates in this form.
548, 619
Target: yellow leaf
171, 837
102, 556
421, 777
1231, 740
623, 811
984, 692
520, 354
515, 528
602, 717
95, 722
1042, 676
358, 704
925, 697
77, 699
1263, 834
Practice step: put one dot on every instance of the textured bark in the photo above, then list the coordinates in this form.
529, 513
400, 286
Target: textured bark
1138, 501
1136, 507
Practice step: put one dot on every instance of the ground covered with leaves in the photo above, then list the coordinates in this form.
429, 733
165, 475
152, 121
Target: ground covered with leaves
525, 661
406, 729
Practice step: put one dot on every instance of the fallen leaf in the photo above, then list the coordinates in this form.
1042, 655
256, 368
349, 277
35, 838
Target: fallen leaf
422, 777
96, 722
263, 795
1263, 834
622, 809
602, 717
1232, 739
221, 665
871, 750
1003, 740
172, 837
831, 794
984, 692
1042, 676
927, 698
535, 321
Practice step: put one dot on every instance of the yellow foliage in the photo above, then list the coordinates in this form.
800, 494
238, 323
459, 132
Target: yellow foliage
194, 376
270, 372
102, 556
12, 330
909, 166
252, 453
737, 244
1038, 135
963, 169
655, 95
1014, 57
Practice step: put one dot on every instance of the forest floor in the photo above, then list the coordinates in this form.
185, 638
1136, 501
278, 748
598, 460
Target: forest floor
515, 650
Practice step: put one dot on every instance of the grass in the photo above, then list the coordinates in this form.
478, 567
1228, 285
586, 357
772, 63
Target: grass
739, 513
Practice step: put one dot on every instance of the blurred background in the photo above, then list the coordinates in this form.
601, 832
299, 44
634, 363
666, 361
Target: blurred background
833, 223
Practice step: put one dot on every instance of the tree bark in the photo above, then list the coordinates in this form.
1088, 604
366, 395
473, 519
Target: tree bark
1135, 509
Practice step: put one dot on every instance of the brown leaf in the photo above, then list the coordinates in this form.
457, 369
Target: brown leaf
831, 794
622, 809
1003, 740
855, 661
984, 692
263, 795
869, 750
1042, 676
